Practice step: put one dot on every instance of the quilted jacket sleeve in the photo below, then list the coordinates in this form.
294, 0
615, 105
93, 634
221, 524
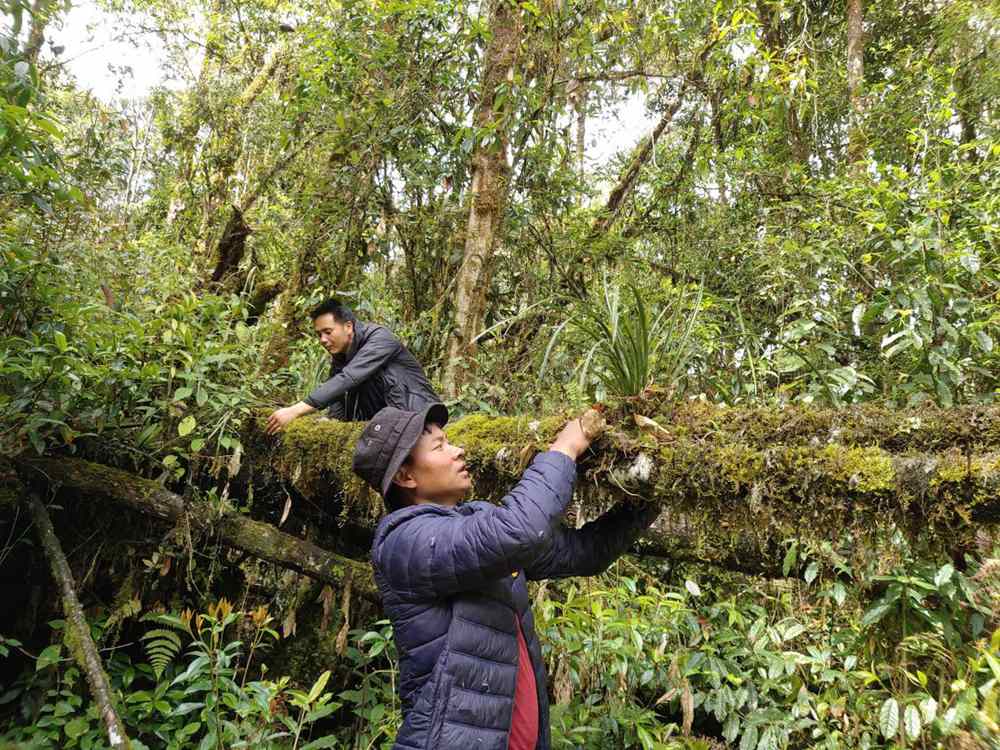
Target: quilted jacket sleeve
590, 549
380, 346
436, 555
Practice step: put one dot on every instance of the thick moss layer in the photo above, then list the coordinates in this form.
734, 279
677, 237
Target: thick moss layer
729, 474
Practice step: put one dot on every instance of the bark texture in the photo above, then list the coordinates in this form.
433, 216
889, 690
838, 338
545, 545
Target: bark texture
257, 538
488, 193
855, 76
78, 630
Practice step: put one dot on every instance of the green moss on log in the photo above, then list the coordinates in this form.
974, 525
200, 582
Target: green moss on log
726, 473
926, 430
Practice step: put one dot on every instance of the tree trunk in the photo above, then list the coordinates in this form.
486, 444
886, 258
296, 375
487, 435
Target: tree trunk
259, 539
194, 112
225, 149
488, 192
729, 480
81, 645
41, 13
640, 155
775, 44
855, 78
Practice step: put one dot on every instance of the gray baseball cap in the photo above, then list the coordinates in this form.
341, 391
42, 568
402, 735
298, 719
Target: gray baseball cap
388, 439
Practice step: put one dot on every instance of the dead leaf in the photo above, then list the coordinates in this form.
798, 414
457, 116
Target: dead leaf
288, 507
540, 594
165, 565
687, 707
341, 643
288, 624
562, 684
235, 460
345, 608
326, 597
648, 425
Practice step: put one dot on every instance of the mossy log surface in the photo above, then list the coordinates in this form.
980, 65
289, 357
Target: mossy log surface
727, 479
257, 538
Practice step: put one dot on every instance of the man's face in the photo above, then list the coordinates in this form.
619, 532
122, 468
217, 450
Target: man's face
436, 469
335, 337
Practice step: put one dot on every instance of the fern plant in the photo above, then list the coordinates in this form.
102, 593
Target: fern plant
163, 644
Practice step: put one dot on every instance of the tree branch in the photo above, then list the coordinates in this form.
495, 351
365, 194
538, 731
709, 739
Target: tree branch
78, 630
236, 530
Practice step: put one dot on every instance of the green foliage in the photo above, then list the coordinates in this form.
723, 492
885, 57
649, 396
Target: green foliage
635, 347
343, 134
163, 644
29, 166
373, 701
792, 665
194, 703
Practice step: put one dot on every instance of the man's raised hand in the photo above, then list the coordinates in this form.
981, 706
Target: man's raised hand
579, 433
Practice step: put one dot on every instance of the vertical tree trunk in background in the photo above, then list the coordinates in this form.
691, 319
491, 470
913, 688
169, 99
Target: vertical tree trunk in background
488, 193
855, 78
40, 15
640, 155
194, 112
225, 149
775, 45
81, 645
578, 99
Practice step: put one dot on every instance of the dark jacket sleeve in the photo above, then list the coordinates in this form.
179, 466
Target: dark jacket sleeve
379, 348
434, 555
337, 410
590, 549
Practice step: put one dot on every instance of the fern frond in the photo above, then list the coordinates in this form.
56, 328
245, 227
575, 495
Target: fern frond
162, 646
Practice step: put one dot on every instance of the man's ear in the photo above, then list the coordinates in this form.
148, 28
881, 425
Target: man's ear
404, 478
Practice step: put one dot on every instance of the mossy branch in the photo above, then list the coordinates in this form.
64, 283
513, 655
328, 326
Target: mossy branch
729, 477
77, 629
259, 539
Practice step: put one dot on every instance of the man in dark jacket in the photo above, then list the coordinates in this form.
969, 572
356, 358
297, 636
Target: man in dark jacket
369, 369
453, 579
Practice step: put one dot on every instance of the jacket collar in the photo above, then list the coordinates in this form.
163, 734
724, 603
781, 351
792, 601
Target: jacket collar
398, 517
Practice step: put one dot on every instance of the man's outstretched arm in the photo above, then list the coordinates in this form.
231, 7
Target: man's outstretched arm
590, 549
281, 417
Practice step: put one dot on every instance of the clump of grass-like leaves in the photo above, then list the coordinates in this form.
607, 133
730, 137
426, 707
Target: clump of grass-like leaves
631, 345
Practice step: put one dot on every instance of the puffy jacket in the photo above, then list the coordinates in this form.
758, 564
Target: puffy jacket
377, 371
452, 581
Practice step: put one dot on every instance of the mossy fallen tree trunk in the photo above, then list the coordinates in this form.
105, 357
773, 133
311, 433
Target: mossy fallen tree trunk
731, 482
259, 539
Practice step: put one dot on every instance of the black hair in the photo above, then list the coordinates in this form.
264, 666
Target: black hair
341, 313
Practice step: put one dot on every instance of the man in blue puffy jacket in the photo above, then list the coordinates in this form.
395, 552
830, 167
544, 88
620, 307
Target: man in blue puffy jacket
453, 578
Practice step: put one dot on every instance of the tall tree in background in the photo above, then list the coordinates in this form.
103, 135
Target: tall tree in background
488, 192
855, 76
